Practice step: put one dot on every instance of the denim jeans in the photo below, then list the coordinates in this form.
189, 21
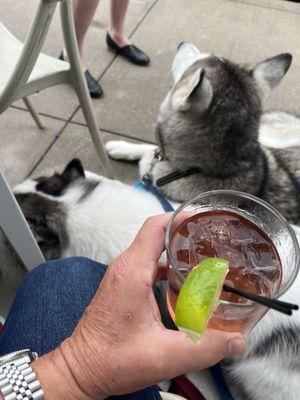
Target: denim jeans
48, 305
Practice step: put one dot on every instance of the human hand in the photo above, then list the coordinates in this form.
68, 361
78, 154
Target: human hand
120, 344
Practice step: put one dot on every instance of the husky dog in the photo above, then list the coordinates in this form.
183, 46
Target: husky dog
210, 121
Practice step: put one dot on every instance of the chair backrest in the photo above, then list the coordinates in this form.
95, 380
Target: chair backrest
31, 50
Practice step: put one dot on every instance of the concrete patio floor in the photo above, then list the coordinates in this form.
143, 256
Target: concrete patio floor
246, 31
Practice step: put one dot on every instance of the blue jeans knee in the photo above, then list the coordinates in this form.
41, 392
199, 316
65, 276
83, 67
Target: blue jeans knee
49, 303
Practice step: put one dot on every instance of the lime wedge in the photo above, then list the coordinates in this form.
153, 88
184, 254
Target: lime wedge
199, 296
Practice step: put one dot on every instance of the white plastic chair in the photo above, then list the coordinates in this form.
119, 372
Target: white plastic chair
16, 229
24, 70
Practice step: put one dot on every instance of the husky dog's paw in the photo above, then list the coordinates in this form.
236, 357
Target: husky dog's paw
146, 163
122, 150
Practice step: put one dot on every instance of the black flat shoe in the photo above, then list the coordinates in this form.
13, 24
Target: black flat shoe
94, 87
131, 52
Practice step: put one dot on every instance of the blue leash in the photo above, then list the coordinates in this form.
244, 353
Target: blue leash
215, 370
147, 185
218, 378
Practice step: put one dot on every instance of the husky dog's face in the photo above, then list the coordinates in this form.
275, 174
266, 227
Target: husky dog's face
214, 104
40, 202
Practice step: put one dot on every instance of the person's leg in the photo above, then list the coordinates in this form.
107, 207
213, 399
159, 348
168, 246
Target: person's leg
48, 305
116, 38
116, 31
84, 11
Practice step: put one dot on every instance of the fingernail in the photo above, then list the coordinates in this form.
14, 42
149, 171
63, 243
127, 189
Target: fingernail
236, 347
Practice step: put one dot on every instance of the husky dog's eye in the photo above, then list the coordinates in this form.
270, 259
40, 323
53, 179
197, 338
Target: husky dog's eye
220, 58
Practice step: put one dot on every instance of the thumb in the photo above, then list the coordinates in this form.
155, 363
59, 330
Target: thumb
187, 356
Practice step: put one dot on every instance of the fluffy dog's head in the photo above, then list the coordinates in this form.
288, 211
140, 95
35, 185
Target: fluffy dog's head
41, 202
213, 110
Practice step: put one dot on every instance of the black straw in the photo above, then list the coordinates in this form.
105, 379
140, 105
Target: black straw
277, 305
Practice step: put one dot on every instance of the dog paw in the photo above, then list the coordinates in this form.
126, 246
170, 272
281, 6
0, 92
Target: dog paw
122, 150
118, 150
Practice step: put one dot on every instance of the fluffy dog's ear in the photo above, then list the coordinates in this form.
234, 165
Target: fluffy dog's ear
57, 183
269, 73
192, 91
73, 170
43, 233
46, 219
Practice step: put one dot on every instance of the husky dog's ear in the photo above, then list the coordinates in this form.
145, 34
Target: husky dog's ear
73, 170
192, 90
269, 73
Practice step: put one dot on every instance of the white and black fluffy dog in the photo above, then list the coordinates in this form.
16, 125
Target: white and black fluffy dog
80, 213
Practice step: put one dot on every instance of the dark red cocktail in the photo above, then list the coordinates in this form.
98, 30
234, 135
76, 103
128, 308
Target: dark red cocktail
237, 235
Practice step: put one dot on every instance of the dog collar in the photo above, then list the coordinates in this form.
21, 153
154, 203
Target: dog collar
264, 181
173, 176
178, 174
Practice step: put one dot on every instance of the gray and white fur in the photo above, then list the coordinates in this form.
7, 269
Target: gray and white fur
212, 119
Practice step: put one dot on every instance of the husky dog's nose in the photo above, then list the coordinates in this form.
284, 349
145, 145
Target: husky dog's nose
180, 44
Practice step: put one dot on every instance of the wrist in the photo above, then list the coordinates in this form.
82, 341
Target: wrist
56, 377
79, 355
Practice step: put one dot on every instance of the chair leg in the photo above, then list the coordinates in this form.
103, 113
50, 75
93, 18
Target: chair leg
80, 86
89, 115
16, 229
33, 113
